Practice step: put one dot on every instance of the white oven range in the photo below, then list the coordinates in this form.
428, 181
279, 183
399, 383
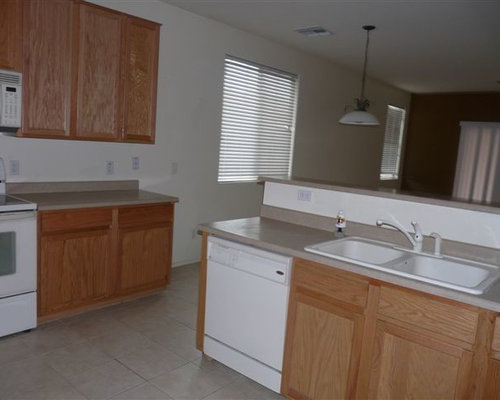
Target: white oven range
18, 247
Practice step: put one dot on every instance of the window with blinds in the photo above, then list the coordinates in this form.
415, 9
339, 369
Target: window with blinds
258, 121
393, 140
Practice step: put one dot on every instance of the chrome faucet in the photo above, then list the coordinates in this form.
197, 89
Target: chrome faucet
416, 240
437, 243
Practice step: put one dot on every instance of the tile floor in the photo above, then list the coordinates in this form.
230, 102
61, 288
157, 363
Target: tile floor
141, 350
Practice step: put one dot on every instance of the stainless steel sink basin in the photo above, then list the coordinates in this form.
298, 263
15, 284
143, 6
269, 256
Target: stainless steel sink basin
356, 249
450, 272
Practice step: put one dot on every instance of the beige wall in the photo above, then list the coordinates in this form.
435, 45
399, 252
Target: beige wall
192, 53
327, 150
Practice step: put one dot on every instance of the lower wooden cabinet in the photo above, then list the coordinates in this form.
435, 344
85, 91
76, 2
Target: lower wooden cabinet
95, 255
324, 333
75, 269
492, 391
408, 365
145, 247
324, 359
384, 342
495, 345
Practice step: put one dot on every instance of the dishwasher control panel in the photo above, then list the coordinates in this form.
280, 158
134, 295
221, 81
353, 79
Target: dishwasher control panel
263, 263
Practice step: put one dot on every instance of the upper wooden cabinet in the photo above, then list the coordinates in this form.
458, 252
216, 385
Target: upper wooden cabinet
90, 73
98, 46
11, 34
140, 72
47, 68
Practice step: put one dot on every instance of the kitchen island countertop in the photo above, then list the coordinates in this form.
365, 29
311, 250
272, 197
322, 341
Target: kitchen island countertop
290, 239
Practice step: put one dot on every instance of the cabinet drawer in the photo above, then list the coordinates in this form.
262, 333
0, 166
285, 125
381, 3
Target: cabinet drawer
446, 319
496, 337
140, 215
331, 282
72, 220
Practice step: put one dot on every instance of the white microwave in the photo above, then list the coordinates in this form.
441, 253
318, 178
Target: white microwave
10, 100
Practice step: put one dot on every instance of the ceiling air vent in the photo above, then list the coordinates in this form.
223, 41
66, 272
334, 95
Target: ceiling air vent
313, 31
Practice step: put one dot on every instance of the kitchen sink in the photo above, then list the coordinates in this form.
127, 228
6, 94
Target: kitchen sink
450, 272
357, 249
460, 274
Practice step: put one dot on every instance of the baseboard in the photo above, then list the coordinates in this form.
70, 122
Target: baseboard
184, 262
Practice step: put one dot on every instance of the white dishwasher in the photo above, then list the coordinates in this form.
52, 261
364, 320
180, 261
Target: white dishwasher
246, 308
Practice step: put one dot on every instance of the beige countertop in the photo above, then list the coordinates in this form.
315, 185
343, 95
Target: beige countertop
101, 198
58, 195
290, 239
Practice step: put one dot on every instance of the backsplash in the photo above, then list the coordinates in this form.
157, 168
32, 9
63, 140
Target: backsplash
457, 224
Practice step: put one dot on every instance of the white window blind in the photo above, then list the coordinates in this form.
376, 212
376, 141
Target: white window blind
258, 118
393, 140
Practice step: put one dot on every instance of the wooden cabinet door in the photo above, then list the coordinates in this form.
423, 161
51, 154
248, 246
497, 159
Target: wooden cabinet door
140, 79
145, 257
74, 269
495, 343
492, 391
47, 67
97, 99
409, 365
322, 349
11, 19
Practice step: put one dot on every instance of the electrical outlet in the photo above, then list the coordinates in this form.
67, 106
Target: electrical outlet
304, 195
135, 162
175, 167
14, 168
110, 167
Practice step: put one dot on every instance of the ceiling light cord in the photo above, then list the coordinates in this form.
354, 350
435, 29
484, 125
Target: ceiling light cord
360, 115
362, 97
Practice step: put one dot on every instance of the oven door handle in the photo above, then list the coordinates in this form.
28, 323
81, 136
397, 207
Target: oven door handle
9, 216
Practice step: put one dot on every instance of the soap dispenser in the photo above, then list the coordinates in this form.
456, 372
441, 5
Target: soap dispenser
340, 224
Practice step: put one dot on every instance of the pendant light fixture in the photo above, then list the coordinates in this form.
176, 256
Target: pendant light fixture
360, 116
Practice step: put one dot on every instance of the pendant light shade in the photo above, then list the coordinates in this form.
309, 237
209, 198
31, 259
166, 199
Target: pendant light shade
360, 116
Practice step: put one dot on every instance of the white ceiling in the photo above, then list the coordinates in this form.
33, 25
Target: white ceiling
422, 46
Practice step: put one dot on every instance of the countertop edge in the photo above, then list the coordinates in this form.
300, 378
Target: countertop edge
76, 200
